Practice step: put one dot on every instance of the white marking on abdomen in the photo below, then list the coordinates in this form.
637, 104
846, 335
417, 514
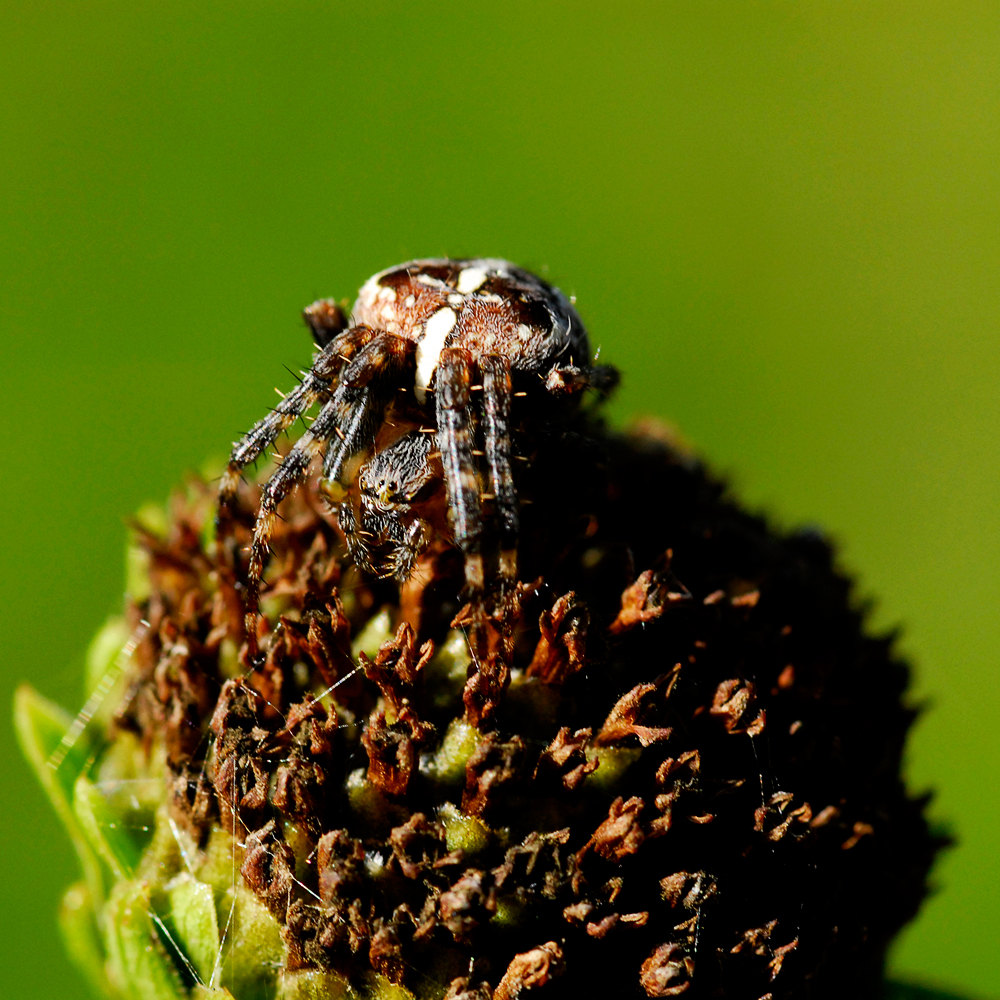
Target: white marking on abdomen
429, 349
430, 281
470, 279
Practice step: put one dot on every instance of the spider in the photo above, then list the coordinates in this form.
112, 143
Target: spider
447, 343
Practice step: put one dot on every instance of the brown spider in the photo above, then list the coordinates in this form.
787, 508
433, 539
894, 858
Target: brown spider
448, 343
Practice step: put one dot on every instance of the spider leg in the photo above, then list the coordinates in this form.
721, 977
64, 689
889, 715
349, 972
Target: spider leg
495, 371
325, 320
566, 380
338, 428
314, 386
366, 384
407, 550
357, 548
454, 439
289, 473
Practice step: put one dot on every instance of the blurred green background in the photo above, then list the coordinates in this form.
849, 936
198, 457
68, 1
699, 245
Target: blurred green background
780, 220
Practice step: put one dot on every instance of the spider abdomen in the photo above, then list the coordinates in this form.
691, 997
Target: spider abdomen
486, 306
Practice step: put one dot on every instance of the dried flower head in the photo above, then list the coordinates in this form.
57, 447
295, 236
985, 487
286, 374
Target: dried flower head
664, 760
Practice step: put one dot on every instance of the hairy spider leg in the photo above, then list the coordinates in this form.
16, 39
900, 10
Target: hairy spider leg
454, 440
495, 371
408, 549
344, 418
315, 385
565, 380
356, 422
378, 364
356, 547
325, 319
386, 356
287, 476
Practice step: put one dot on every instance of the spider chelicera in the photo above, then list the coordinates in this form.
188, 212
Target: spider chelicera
448, 345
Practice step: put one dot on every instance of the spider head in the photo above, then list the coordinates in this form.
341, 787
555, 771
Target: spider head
395, 477
382, 492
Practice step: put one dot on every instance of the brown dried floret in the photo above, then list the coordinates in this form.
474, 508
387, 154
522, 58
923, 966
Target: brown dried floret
419, 845
676, 776
651, 594
623, 720
340, 860
239, 774
268, 867
192, 800
691, 890
323, 637
776, 817
620, 834
668, 971
496, 763
463, 989
470, 902
531, 970
397, 666
734, 704
386, 949
491, 636
537, 864
565, 759
562, 648
301, 777
393, 749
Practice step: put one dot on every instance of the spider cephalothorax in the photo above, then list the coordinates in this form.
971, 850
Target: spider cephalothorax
449, 343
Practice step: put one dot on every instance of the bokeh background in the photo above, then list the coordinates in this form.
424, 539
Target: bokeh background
782, 222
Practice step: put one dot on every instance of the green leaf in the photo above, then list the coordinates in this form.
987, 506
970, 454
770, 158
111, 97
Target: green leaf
313, 984
254, 949
193, 919
44, 732
137, 957
117, 831
82, 937
58, 752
